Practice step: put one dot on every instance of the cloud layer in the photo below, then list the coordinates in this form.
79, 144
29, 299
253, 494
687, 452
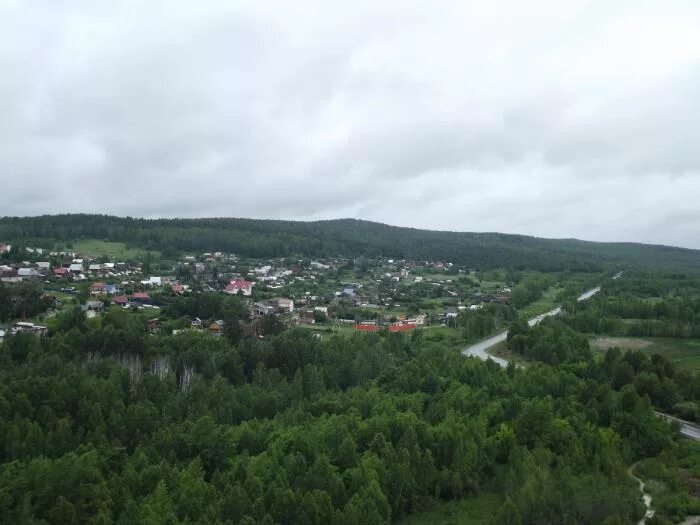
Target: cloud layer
559, 119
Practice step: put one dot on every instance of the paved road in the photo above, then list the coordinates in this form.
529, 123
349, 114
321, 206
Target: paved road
688, 429
480, 349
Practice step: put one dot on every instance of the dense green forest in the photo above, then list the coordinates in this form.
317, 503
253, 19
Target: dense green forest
345, 238
645, 303
22, 300
102, 423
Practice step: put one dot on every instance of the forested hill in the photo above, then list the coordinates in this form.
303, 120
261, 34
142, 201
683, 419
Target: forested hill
344, 237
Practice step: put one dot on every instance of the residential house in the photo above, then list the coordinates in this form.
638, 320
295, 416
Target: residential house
61, 272
306, 316
92, 308
5, 247
75, 267
95, 306
29, 328
365, 327
196, 323
154, 326
121, 300
263, 270
402, 327
419, 319
98, 288
261, 309
216, 328
10, 276
239, 285
43, 266
141, 298
451, 312
177, 289
284, 305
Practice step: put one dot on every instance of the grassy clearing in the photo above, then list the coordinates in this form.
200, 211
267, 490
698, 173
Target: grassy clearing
472, 511
544, 304
115, 250
684, 353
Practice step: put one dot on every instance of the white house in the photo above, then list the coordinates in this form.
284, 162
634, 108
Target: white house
28, 272
30, 328
263, 270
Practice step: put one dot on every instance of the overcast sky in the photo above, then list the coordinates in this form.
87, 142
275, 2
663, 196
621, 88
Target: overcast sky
551, 118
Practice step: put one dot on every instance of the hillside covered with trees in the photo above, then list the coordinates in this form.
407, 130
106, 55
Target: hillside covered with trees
344, 238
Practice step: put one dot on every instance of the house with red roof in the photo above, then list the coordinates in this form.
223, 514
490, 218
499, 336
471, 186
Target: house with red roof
141, 298
362, 327
61, 272
102, 288
402, 327
98, 288
239, 285
121, 300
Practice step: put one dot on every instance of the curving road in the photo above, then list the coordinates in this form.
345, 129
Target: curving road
480, 349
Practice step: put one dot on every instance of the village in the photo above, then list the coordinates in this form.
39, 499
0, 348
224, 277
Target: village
323, 295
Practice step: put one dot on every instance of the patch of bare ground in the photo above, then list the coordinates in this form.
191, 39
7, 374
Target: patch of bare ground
625, 343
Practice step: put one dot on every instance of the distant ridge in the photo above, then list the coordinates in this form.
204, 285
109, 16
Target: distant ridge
341, 237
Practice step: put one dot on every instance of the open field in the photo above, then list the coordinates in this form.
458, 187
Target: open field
116, 250
472, 511
623, 343
547, 302
685, 353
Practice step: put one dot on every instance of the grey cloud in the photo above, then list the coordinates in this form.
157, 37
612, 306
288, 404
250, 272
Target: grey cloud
452, 118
